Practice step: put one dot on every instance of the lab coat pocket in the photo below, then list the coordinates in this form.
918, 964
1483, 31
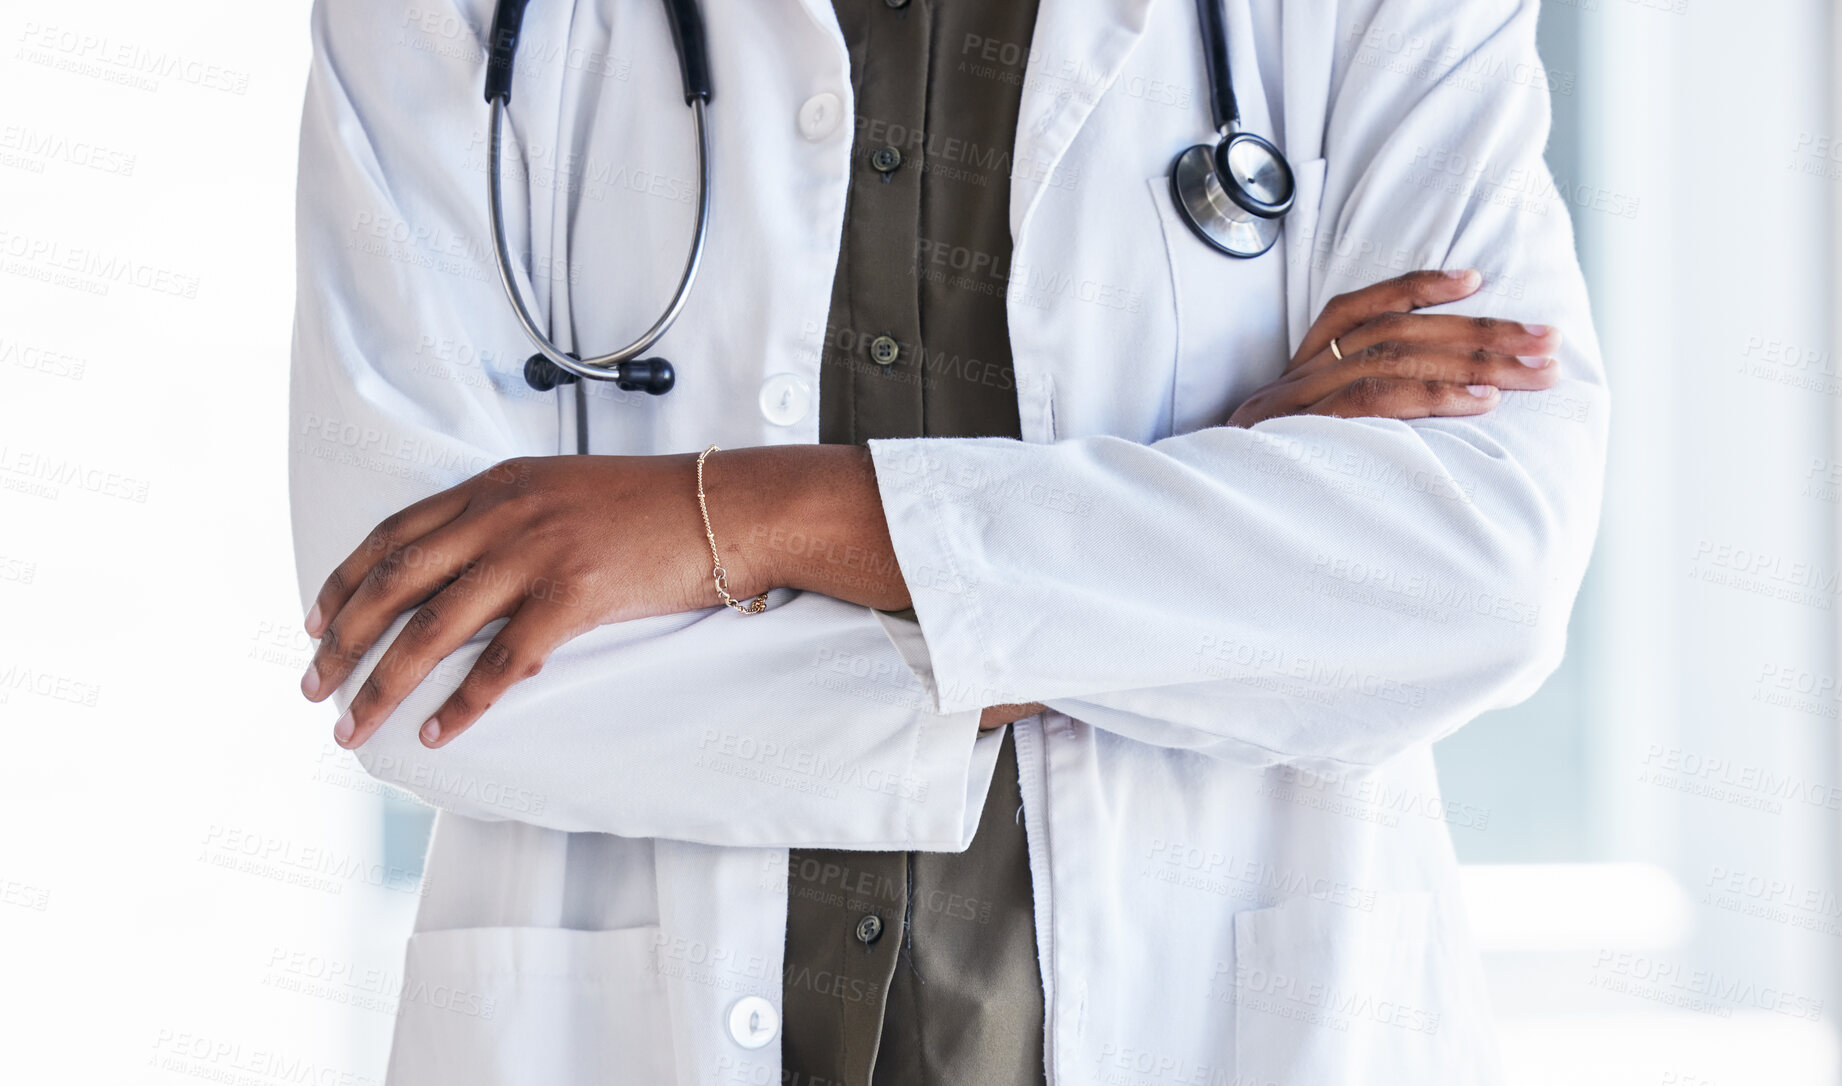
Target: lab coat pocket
1327, 992
1233, 315
515, 1006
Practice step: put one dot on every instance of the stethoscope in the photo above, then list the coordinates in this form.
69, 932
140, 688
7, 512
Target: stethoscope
1233, 193
551, 365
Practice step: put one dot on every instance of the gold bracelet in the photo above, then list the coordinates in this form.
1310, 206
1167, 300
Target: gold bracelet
719, 573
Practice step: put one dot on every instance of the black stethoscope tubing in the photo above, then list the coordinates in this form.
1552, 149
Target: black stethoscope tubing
1233, 194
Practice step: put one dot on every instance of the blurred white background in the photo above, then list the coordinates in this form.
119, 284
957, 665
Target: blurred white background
195, 884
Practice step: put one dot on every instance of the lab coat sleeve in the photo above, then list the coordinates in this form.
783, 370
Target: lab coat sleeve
798, 727
1311, 590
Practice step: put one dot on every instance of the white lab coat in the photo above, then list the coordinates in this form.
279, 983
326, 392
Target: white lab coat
1248, 637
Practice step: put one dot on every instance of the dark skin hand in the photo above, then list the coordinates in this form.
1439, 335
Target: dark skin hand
530, 539
1398, 364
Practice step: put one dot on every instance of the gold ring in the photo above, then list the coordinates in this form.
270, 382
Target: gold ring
1336, 351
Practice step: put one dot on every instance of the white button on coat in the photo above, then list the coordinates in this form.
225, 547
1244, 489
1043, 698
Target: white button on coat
785, 399
753, 1022
818, 118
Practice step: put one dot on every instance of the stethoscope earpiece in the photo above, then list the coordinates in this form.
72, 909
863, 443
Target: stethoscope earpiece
543, 375
653, 376
552, 366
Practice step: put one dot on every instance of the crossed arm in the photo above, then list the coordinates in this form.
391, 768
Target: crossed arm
529, 540
1335, 631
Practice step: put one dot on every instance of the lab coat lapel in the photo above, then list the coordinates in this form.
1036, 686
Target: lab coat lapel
1308, 52
825, 15
1075, 54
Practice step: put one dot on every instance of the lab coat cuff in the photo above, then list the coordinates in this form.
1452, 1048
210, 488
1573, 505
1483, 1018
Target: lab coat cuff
933, 539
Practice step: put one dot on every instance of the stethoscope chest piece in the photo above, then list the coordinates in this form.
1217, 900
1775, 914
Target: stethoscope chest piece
1234, 194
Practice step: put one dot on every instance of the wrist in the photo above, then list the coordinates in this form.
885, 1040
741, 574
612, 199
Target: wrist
803, 516
736, 486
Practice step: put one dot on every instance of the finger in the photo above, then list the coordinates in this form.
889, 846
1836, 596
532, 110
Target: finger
1403, 398
516, 653
1412, 361
406, 576
392, 532
435, 630
1415, 290
1503, 337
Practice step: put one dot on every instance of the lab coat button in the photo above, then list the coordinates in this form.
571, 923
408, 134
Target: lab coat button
785, 399
753, 1021
818, 118
869, 929
884, 351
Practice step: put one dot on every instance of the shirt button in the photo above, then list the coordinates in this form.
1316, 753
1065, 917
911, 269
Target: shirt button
753, 1021
884, 160
785, 399
896, 3
818, 118
884, 351
869, 929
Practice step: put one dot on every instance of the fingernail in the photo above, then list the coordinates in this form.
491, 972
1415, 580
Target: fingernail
1535, 361
1467, 276
1537, 329
431, 732
312, 621
342, 730
310, 682
1482, 392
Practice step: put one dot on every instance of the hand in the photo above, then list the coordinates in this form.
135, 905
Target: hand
1398, 364
560, 545
557, 545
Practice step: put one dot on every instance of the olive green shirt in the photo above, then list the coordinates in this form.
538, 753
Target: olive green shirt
910, 968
